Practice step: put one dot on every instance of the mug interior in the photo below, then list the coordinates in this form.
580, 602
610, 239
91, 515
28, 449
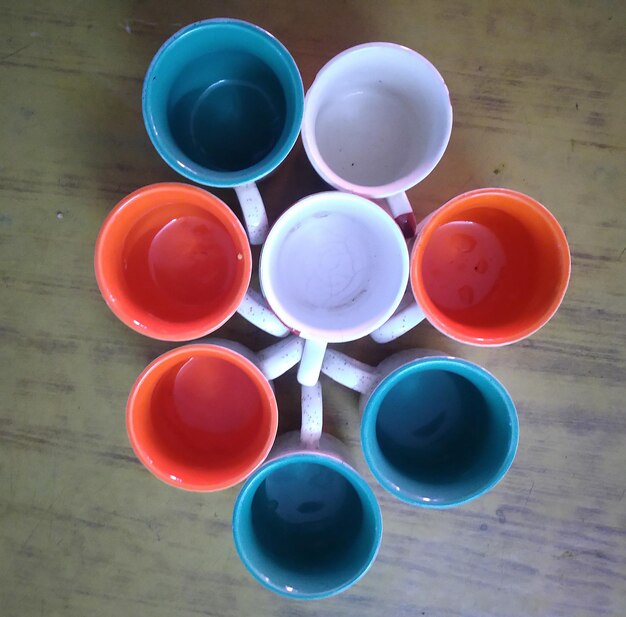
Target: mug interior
307, 526
378, 116
202, 417
223, 102
173, 262
438, 432
333, 267
490, 267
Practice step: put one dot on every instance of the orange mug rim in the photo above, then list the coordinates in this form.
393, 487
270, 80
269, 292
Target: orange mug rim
432, 223
148, 197
157, 368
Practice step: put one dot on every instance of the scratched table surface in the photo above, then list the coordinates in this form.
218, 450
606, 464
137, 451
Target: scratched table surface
538, 92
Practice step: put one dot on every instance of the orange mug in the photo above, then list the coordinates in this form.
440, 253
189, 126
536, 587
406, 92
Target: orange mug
203, 417
173, 262
488, 268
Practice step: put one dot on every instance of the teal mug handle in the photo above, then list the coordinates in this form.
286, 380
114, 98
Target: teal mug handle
253, 209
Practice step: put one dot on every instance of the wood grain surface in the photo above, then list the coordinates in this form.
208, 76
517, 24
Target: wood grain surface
538, 91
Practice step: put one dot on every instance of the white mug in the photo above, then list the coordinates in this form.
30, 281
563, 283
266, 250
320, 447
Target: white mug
334, 268
377, 120
306, 524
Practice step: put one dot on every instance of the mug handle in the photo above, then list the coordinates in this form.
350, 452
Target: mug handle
406, 317
311, 363
312, 416
256, 310
349, 372
402, 212
254, 214
280, 357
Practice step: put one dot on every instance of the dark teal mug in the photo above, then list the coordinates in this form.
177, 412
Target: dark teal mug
222, 103
306, 525
436, 431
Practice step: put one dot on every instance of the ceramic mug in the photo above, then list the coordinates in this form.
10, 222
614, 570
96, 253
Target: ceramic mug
173, 262
202, 417
436, 431
334, 267
488, 268
377, 120
306, 525
222, 104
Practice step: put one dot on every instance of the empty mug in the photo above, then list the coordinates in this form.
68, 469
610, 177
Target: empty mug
202, 417
334, 268
377, 120
222, 104
436, 431
488, 268
173, 262
306, 525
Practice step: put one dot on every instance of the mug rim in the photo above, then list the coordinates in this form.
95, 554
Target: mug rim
316, 200
155, 371
309, 142
148, 198
431, 223
246, 495
182, 163
371, 410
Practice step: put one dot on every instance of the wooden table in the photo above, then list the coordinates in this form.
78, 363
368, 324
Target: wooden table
538, 94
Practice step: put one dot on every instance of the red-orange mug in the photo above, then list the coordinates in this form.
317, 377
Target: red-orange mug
202, 417
488, 268
173, 262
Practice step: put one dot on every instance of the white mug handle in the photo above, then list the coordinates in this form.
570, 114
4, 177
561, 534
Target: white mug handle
311, 363
280, 357
406, 317
349, 372
312, 416
256, 310
402, 212
254, 214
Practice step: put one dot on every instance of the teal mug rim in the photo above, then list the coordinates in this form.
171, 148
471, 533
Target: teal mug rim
184, 165
372, 407
356, 480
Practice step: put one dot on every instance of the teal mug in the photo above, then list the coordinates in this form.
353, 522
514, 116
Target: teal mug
223, 103
436, 431
306, 525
